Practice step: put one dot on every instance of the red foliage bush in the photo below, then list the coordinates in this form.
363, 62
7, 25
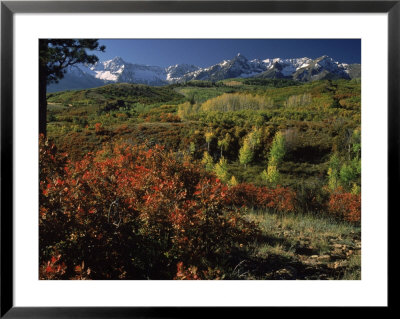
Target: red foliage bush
279, 198
98, 128
193, 273
133, 213
53, 269
169, 117
346, 206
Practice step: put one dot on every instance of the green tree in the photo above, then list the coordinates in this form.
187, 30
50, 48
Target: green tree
245, 153
254, 138
233, 181
223, 144
271, 175
192, 148
350, 173
209, 137
55, 56
276, 155
333, 172
207, 161
347, 172
277, 151
356, 141
221, 170
250, 143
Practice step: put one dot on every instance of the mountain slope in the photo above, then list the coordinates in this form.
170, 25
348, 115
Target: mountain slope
76, 78
119, 71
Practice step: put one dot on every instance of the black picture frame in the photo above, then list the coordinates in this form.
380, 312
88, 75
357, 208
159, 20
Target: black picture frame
9, 8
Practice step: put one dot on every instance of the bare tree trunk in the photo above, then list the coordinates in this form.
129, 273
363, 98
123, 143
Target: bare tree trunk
42, 104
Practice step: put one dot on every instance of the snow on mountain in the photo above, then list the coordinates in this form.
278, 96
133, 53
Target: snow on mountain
176, 72
323, 68
117, 70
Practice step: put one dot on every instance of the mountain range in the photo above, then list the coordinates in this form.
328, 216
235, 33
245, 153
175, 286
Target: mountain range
117, 70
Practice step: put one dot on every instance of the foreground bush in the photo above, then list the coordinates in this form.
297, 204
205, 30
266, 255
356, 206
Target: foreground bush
280, 199
345, 205
134, 213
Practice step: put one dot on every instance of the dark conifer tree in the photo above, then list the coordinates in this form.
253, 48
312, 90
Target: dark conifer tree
55, 56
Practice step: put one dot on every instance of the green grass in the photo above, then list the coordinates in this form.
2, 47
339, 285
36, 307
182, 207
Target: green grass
308, 240
128, 94
305, 224
353, 271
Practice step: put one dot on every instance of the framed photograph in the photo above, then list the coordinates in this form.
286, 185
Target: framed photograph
196, 154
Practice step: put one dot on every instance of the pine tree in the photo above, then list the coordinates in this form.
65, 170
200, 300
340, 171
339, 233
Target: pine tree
55, 56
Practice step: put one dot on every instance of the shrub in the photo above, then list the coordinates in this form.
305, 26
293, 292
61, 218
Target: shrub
312, 198
345, 205
249, 195
133, 213
98, 128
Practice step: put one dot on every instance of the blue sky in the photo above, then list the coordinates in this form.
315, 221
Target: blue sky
206, 52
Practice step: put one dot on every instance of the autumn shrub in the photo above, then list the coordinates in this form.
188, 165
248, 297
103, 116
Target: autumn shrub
193, 273
53, 268
280, 198
345, 205
98, 128
122, 129
133, 213
169, 117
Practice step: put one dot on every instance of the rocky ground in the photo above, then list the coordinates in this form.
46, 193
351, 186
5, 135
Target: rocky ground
304, 247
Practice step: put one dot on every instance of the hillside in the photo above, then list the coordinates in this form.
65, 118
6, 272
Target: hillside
275, 163
313, 115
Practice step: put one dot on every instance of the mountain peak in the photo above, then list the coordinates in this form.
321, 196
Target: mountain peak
241, 56
301, 69
324, 57
118, 59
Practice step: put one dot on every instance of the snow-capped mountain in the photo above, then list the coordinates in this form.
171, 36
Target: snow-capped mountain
117, 70
322, 68
176, 72
238, 67
76, 78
